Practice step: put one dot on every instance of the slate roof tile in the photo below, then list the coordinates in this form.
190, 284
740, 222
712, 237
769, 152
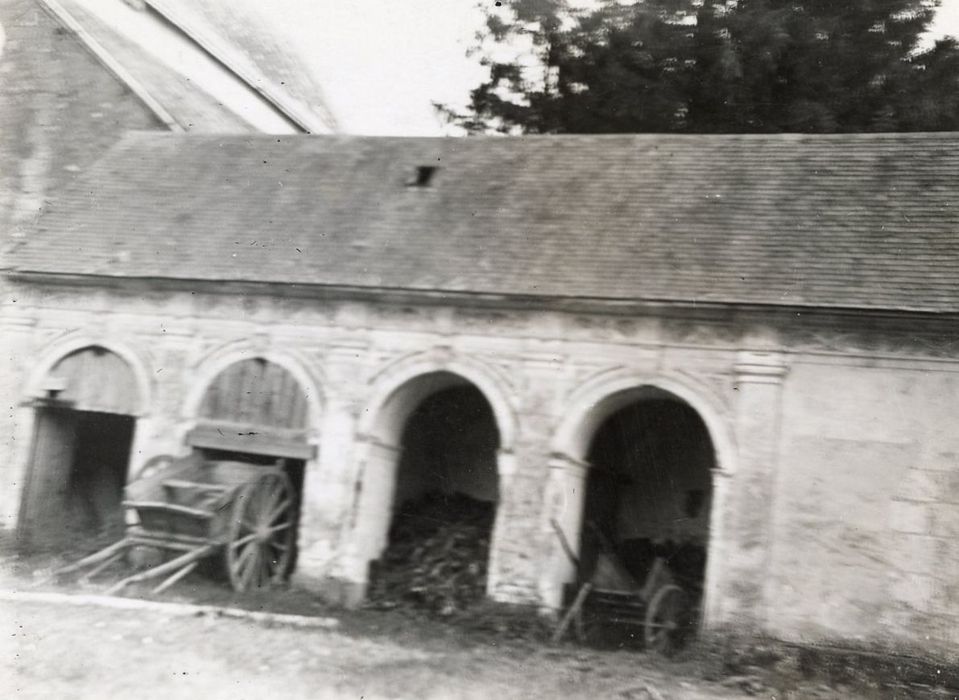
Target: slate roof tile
861, 222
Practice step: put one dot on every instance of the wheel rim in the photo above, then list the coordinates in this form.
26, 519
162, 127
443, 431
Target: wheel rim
261, 532
664, 618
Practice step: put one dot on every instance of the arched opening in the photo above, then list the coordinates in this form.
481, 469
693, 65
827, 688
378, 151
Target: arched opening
441, 492
255, 411
83, 433
648, 494
649, 489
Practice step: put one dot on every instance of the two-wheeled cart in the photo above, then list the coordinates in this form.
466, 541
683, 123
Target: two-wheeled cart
659, 608
195, 508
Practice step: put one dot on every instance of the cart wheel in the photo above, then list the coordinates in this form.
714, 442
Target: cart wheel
260, 544
665, 625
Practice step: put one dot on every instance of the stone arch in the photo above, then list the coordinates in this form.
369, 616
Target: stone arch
209, 368
88, 399
63, 347
396, 393
252, 402
375, 424
589, 406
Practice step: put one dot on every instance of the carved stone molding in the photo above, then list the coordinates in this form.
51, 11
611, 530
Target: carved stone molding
921, 343
760, 367
17, 324
701, 332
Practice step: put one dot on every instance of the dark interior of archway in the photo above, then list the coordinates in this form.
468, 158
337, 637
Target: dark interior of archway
99, 472
648, 493
295, 469
79, 469
444, 504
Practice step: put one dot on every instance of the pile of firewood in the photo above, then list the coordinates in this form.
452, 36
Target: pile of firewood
437, 555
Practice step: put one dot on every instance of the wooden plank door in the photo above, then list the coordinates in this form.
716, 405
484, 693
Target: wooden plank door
43, 513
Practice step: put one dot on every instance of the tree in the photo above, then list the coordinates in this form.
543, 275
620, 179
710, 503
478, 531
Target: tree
705, 66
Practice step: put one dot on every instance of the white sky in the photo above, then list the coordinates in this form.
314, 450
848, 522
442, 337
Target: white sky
384, 62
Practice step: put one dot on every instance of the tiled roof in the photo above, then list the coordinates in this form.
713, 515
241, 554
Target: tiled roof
864, 222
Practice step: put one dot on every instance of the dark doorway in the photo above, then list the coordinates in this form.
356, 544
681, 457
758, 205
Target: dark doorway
444, 504
75, 485
649, 492
449, 446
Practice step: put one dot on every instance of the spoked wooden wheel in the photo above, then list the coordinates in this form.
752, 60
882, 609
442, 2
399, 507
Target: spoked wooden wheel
666, 620
261, 532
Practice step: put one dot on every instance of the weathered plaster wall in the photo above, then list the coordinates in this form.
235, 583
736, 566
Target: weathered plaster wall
867, 503
837, 457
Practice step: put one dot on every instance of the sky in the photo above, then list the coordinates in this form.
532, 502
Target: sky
383, 63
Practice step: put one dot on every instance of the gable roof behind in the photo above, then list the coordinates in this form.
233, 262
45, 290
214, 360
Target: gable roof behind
249, 44
209, 67
861, 222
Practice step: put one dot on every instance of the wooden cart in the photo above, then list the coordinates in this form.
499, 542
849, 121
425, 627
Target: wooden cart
195, 508
659, 608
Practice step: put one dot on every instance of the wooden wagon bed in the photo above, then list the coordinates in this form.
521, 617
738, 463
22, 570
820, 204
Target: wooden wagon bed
193, 508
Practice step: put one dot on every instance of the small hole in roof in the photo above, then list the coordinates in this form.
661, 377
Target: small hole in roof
423, 176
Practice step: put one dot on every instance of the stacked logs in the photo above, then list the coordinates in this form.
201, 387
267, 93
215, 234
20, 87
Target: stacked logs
437, 555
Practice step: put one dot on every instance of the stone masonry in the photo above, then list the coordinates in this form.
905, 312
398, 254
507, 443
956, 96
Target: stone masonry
834, 498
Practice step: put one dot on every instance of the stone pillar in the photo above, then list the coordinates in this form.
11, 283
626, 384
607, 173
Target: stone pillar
516, 566
328, 494
748, 544
162, 428
506, 474
16, 421
565, 499
330, 479
720, 577
370, 519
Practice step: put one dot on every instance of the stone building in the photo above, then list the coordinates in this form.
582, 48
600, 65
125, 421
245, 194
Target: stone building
748, 342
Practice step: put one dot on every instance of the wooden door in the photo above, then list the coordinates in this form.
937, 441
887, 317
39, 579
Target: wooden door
43, 512
257, 407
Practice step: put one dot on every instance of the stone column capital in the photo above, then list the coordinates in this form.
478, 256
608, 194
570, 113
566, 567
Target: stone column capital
373, 443
760, 367
568, 465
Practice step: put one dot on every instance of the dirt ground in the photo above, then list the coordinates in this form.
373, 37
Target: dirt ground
69, 651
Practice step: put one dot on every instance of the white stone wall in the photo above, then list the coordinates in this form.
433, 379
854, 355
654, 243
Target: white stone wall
866, 528
795, 433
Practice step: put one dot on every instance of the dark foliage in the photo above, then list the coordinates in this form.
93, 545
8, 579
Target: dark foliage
746, 66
